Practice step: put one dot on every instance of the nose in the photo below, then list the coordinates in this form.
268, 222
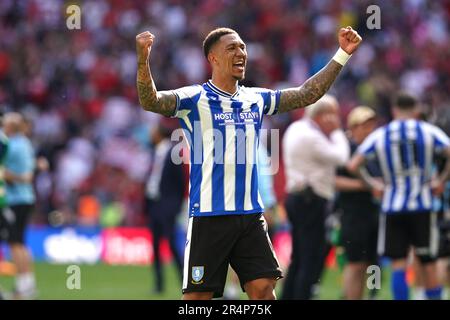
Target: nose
240, 52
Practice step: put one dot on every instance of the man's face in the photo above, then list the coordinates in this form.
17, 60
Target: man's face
328, 120
229, 56
361, 131
8, 128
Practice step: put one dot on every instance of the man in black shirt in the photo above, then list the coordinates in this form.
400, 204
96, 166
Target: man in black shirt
359, 221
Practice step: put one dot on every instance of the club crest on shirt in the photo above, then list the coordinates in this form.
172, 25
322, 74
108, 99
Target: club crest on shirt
197, 274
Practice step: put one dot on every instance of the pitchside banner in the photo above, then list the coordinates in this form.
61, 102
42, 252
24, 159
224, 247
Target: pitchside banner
63, 245
125, 245
115, 246
132, 246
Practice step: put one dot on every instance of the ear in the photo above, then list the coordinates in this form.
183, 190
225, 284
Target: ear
394, 111
211, 57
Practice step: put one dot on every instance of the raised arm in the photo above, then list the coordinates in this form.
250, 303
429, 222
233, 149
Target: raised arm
316, 86
163, 102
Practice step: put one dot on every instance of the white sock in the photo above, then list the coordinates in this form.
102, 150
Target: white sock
232, 291
419, 293
21, 282
445, 294
25, 282
31, 281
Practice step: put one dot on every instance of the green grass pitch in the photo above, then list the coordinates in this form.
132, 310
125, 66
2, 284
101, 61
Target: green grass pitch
105, 282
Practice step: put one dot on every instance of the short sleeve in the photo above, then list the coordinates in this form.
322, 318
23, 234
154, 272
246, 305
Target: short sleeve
271, 100
20, 158
367, 147
185, 97
441, 140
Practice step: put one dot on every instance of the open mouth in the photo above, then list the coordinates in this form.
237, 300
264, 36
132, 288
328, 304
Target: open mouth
239, 65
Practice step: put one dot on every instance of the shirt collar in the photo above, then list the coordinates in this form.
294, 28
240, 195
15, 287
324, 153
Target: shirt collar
215, 89
312, 123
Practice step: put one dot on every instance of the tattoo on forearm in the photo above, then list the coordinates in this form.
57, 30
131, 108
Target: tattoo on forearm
163, 102
311, 91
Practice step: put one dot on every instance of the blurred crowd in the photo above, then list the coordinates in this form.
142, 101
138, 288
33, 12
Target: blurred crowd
76, 88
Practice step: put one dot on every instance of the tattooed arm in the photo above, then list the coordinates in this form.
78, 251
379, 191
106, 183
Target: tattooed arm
163, 102
311, 91
316, 86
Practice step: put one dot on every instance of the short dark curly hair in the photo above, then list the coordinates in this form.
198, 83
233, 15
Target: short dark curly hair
405, 101
213, 37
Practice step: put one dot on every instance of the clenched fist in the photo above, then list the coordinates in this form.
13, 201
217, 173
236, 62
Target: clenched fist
349, 39
144, 42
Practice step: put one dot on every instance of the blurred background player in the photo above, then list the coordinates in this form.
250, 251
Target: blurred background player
405, 149
441, 205
164, 194
312, 150
442, 120
443, 263
359, 210
19, 169
3, 204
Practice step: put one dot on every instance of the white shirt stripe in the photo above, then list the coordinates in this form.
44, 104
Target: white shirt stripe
249, 154
272, 104
380, 146
425, 192
229, 162
412, 204
208, 147
386, 197
187, 252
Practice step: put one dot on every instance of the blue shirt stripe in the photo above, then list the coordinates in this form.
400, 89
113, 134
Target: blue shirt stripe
387, 146
195, 175
420, 158
406, 149
240, 165
219, 153
254, 183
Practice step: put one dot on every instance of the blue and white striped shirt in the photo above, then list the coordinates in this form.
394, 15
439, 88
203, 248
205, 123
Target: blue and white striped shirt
222, 131
405, 150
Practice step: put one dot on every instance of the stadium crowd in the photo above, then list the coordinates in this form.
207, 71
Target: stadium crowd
77, 87
77, 91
